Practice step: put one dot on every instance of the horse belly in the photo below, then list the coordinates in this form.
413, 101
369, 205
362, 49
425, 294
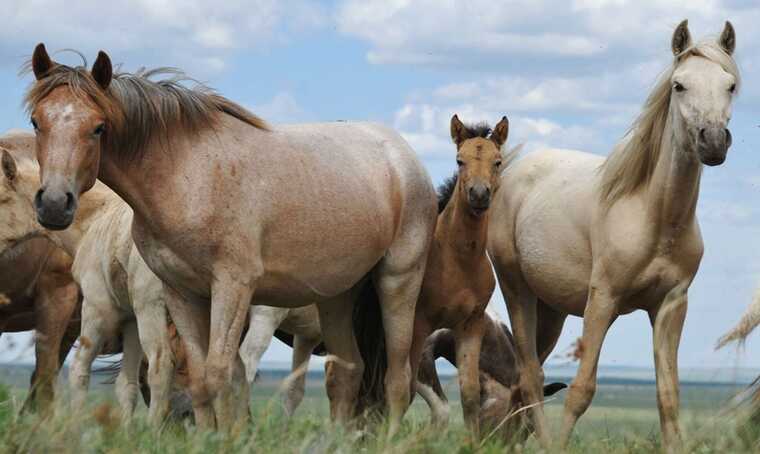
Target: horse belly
556, 267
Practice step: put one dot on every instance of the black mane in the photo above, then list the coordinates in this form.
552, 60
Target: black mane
446, 190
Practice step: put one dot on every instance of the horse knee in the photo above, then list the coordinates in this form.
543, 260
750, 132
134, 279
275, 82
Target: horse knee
579, 396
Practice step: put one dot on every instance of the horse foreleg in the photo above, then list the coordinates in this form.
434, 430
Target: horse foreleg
601, 311
99, 323
264, 322
469, 340
153, 326
427, 385
192, 321
54, 306
127, 381
667, 322
344, 367
296, 386
231, 295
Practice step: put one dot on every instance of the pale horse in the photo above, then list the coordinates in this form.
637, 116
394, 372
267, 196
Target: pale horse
574, 233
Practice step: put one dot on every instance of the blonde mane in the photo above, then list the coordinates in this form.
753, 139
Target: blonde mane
631, 164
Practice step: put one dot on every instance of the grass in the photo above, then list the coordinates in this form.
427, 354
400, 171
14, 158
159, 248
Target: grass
622, 419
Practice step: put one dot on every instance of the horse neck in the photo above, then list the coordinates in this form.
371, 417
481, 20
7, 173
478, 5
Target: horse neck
460, 231
674, 187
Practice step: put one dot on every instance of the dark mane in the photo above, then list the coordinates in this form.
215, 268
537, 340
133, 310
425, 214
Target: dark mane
478, 130
140, 110
446, 191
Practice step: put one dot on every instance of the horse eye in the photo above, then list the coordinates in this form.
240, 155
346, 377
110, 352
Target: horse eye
100, 129
34, 124
678, 87
460, 163
732, 88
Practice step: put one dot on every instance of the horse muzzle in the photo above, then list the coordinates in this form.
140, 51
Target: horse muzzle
713, 145
55, 208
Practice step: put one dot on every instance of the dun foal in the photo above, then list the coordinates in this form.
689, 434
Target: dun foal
459, 281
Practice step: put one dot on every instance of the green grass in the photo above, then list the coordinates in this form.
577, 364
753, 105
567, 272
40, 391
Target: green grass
622, 419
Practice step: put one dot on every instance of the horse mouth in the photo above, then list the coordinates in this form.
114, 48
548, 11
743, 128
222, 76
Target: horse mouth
478, 211
54, 226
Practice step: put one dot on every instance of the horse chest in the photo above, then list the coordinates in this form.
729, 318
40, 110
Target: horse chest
452, 293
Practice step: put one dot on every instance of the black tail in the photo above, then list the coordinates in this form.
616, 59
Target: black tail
370, 336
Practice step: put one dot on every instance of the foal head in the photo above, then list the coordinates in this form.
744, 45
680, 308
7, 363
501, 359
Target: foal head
702, 87
479, 159
71, 114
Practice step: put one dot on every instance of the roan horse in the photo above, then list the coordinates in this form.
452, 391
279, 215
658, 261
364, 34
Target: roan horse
37, 293
573, 233
228, 212
121, 296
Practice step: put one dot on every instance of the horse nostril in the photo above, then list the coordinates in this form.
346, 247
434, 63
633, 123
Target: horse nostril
702, 134
728, 138
38, 198
69, 201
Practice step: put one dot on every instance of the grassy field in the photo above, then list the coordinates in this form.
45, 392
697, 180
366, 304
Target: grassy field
623, 418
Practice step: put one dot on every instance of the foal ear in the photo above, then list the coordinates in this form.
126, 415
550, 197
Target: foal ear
9, 166
728, 38
459, 132
41, 62
681, 38
500, 132
102, 71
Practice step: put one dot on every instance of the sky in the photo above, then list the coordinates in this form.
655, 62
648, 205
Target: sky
567, 73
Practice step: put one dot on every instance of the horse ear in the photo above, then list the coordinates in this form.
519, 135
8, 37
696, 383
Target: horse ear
500, 132
681, 38
102, 71
728, 38
459, 132
9, 166
41, 62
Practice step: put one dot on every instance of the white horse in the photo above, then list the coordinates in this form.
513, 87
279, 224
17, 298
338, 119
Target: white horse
573, 233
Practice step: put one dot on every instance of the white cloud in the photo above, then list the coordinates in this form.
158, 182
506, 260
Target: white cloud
179, 31
282, 108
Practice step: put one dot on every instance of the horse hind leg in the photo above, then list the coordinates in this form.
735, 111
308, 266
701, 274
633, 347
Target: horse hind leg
522, 308
398, 279
153, 325
344, 366
296, 385
264, 320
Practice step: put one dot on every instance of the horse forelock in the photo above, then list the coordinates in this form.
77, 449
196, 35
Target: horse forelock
139, 109
631, 165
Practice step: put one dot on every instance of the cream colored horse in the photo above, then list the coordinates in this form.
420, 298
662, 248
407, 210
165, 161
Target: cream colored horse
573, 233
121, 294
229, 213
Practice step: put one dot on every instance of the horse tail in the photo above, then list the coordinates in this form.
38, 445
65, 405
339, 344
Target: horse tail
746, 325
370, 337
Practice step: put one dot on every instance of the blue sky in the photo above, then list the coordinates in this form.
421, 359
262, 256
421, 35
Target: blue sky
568, 74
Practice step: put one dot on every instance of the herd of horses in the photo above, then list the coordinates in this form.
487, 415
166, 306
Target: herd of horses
167, 222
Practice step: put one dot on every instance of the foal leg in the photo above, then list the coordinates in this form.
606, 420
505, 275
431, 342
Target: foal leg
192, 321
469, 340
264, 322
342, 375
296, 384
667, 322
601, 311
428, 386
127, 382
